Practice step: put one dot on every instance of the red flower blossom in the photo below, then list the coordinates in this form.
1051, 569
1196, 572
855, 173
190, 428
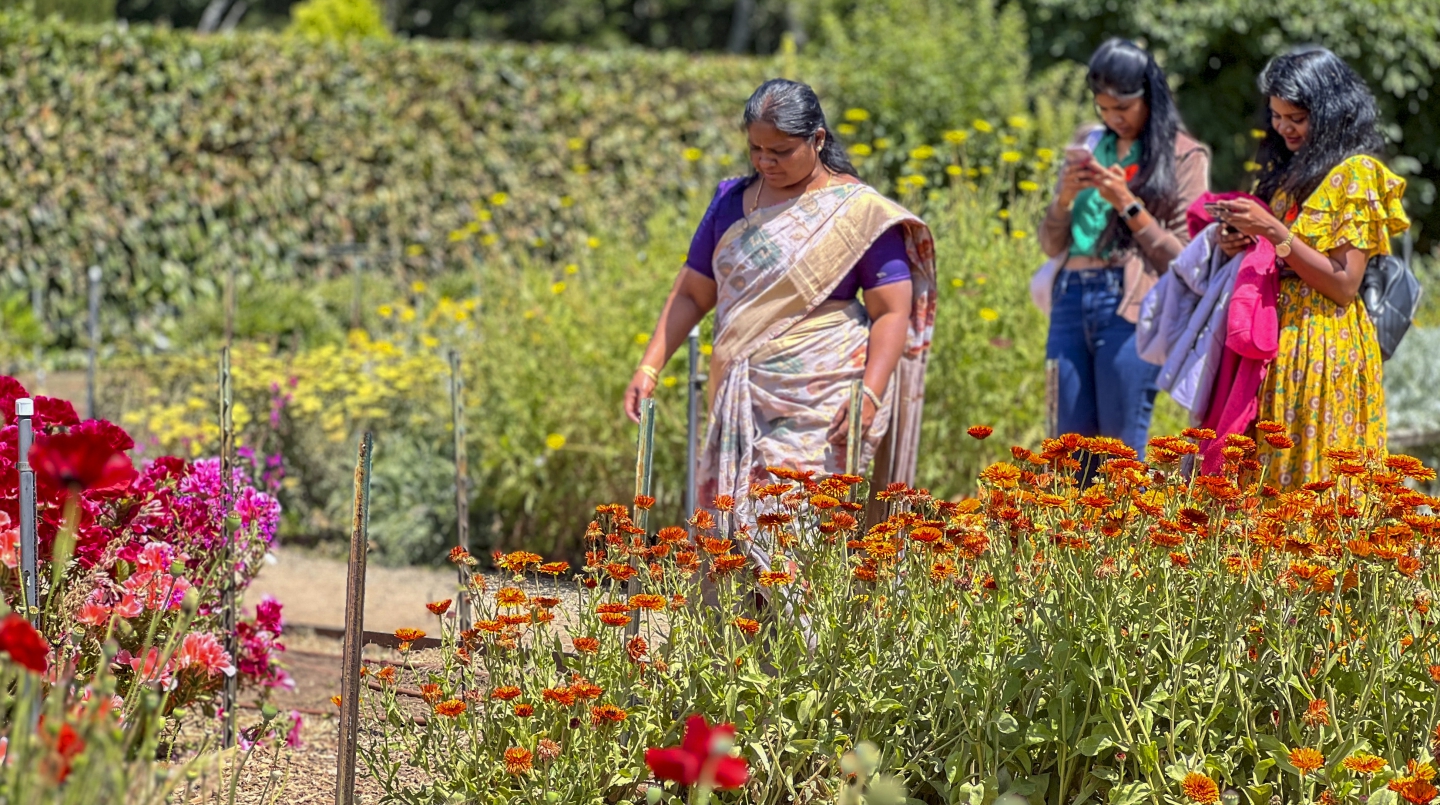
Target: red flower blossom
702, 757
980, 431
80, 463
439, 607
24, 645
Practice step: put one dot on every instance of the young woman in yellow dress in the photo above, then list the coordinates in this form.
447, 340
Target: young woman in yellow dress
1335, 206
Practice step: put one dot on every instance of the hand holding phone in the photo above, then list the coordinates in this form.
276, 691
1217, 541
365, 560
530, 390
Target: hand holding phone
1078, 155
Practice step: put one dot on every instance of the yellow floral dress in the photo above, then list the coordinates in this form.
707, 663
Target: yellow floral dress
1325, 383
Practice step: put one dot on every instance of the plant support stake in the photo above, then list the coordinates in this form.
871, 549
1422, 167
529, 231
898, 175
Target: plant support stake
29, 558
462, 487
644, 466
854, 441
227, 560
692, 424
354, 628
93, 356
1052, 397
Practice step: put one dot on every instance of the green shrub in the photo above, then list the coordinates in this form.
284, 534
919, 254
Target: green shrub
339, 20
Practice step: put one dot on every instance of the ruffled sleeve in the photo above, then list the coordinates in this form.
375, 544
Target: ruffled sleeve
1358, 204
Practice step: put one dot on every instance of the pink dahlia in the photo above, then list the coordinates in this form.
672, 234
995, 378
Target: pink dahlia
201, 650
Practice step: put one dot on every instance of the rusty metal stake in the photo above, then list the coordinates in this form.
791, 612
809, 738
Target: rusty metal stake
854, 440
644, 467
462, 487
354, 629
228, 529
1052, 398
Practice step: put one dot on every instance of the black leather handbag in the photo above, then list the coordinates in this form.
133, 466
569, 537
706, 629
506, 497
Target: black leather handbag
1391, 293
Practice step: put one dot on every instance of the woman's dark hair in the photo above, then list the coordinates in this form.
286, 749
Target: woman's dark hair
1125, 70
1343, 121
793, 108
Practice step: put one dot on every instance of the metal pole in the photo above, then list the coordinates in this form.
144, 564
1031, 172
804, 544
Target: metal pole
462, 486
644, 466
354, 629
29, 554
94, 276
1052, 397
230, 303
854, 441
692, 425
227, 557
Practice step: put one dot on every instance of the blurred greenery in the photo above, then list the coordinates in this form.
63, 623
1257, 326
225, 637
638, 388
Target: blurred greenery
1215, 50
81, 11
337, 20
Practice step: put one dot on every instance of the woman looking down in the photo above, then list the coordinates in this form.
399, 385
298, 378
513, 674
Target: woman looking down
780, 257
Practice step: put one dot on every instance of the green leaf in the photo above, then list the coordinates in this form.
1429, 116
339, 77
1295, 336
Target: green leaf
1092, 744
1129, 793
1006, 723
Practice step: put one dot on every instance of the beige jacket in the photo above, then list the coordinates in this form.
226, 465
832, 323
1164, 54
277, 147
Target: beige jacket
1160, 241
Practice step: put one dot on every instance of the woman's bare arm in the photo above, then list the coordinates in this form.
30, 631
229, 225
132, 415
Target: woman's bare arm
692, 296
889, 310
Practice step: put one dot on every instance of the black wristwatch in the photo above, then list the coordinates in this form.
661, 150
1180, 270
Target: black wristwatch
1131, 211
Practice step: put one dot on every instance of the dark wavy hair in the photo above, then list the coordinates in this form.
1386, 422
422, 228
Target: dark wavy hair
1125, 70
793, 108
1343, 121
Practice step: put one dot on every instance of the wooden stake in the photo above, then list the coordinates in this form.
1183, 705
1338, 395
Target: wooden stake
854, 440
644, 466
228, 527
354, 629
462, 486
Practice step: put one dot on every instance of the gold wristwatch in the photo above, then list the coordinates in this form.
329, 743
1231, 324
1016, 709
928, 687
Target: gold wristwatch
1282, 249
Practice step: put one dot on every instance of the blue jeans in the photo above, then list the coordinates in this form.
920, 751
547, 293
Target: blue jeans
1105, 388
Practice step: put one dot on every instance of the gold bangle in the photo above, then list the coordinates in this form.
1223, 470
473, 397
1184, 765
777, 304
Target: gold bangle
650, 372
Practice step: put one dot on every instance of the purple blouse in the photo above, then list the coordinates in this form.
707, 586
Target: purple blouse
883, 263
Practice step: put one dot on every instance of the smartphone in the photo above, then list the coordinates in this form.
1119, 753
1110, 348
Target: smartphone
1077, 154
1216, 211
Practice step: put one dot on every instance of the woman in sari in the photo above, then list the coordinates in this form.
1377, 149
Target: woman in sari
1335, 205
780, 256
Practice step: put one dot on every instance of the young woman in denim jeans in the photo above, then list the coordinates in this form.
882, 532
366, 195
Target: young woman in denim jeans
1119, 219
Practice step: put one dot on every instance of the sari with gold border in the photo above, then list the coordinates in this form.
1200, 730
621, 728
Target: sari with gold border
785, 354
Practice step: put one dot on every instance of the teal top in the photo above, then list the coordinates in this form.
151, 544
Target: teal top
1090, 213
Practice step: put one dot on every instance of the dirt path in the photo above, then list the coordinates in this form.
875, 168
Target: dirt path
312, 588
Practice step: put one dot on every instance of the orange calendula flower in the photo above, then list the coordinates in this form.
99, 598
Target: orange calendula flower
649, 601
450, 708
563, 697
518, 761
554, 568
547, 749
644, 502
866, 573
1317, 714
439, 607
523, 710
409, 635
587, 645
636, 647
824, 502
1001, 475
460, 556
1279, 441
981, 432
386, 674
620, 571
606, 714
336, 700
775, 578
747, 625
1180, 559
431, 693
610, 607
672, 534
587, 691
518, 561
1200, 788
1362, 763
1306, 759
728, 563
510, 597
545, 601
1269, 426
505, 693
724, 503
1419, 792
616, 619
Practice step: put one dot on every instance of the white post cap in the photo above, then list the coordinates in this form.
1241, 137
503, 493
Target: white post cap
24, 407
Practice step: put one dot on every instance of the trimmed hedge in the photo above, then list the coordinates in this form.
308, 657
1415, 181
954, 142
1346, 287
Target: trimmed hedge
169, 158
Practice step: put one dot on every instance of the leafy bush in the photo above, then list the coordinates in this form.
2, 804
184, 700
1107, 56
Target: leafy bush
1154, 638
337, 20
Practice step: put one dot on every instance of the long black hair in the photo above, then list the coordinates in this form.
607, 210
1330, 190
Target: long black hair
793, 108
1343, 121
1125, 70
